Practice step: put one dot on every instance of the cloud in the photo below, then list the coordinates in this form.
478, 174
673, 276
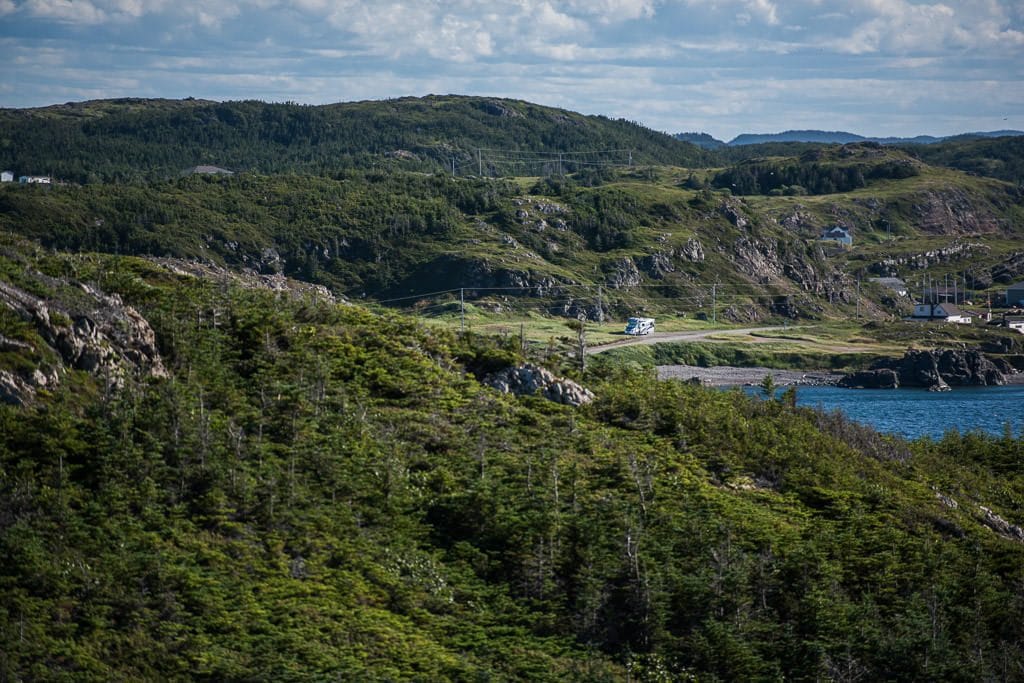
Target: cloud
735, 65
66, 11
902, 27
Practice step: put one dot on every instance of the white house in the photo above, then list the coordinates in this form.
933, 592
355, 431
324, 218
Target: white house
1015, 323
1015, 294
949, 313
837, 234
6, 176
208, 170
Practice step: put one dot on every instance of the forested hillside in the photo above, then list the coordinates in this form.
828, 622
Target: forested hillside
304, 490
1001, 158
597, 243
134, 140
222, 459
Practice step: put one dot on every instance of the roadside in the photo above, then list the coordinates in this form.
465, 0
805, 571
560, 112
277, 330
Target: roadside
667, 337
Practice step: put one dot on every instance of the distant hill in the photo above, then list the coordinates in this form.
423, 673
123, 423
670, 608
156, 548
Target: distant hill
841, 137
136, 139
702, 140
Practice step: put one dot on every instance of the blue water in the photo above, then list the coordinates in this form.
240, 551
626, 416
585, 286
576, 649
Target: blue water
917, 412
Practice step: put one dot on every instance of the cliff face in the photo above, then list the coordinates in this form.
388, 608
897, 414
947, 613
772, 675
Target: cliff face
935, 370
97, 333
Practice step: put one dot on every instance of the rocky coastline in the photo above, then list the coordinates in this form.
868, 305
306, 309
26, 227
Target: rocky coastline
936, 370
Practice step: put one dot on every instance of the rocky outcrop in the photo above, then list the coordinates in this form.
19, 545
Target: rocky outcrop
935, 370
657, 265
99, 335
692, 251
734, 214
529, 380
622, 274
957, 251
883, 378
1000, 525
951, 211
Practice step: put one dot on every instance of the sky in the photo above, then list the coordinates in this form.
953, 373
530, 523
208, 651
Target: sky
724, 67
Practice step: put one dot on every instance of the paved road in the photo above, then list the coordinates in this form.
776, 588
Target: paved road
663, 337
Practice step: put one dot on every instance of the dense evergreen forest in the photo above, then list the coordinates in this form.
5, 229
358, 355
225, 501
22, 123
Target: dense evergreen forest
134, 140
315, 491
222, 457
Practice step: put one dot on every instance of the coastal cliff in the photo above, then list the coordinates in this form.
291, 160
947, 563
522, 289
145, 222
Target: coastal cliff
936, 370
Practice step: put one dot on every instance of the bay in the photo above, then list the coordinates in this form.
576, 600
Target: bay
915, 413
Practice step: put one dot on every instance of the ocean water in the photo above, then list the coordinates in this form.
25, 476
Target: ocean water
915, 413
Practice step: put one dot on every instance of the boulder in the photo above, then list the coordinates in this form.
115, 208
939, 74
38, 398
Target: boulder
529, 380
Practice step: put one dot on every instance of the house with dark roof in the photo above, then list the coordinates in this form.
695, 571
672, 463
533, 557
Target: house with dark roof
837, 234
944, 312
1015, 294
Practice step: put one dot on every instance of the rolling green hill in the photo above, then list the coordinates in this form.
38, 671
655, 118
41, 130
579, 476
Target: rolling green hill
130, 140
222, 457
594, 244
301, 490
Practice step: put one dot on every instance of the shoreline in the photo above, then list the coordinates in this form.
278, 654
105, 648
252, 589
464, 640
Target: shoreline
728, 376
731, 376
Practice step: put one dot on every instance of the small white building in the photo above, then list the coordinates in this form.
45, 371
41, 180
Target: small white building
6, 176
837, 234
944, 312
208, 170
1015, 322
35, 179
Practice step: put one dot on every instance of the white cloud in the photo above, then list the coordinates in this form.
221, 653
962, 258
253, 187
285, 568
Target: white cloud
66, 11
903, 27
672, 64
612, 11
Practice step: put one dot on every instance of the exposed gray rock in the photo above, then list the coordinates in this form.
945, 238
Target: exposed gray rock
495, 108
951, 210
883, 378
692, 251
623, 274
935, 370
1000, 525
733, 214
100, 335
957, 251
529, 379
657, 265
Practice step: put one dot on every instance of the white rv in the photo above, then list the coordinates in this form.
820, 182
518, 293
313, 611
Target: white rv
638, 326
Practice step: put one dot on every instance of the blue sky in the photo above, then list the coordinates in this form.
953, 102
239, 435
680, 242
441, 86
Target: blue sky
874, 67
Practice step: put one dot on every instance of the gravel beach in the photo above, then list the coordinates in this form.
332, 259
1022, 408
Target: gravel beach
726, 376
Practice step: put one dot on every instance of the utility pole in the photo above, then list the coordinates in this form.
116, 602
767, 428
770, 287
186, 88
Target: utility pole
581, 342
714, 303
480, 161
858, 298
453, 167
600, 308
559, 164
462, 310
